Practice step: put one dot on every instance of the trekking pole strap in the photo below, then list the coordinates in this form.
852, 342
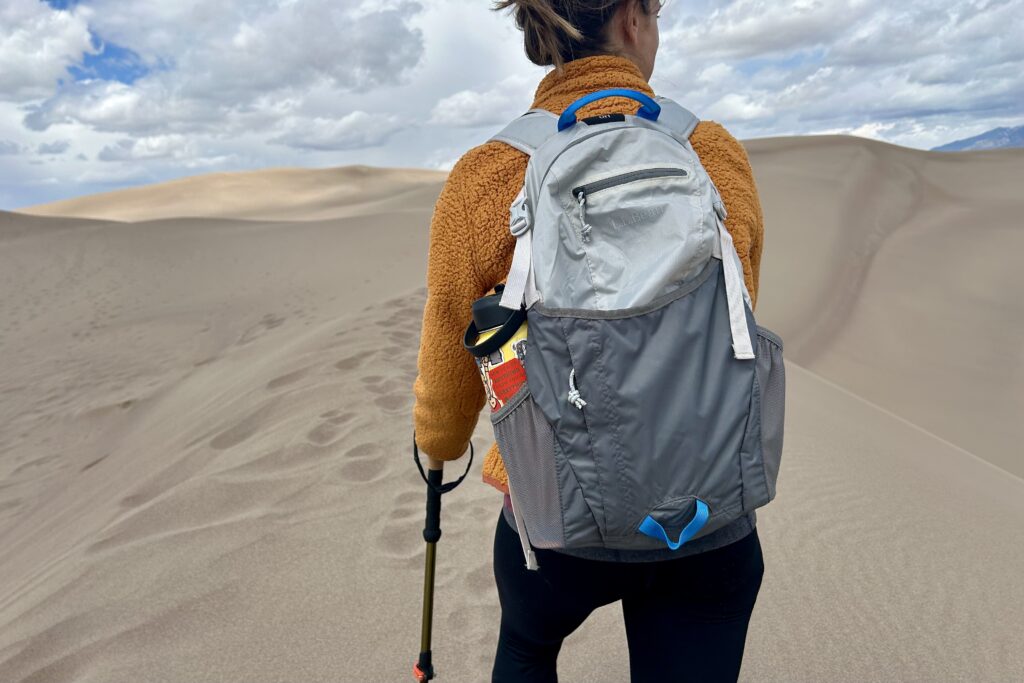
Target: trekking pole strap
445, 488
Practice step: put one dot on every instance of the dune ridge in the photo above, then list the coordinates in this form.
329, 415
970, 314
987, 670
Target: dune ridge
890, 272
290, 194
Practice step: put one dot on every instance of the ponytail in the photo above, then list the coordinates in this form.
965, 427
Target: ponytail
559, 31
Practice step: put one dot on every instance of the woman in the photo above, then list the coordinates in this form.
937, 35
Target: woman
686, 612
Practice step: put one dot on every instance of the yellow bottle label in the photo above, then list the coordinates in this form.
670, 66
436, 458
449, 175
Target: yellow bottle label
503, 372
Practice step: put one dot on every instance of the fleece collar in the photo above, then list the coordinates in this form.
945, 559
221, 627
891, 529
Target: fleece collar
556, 91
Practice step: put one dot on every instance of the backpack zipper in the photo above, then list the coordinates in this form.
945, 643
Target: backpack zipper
580, 192
604, 183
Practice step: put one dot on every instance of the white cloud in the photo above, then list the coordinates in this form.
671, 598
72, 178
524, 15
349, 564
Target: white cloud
217, 64
110, 106
754, 28
493, 106
717, 73
736, 107
897, 70
37, 44
355, 130
55, 147
152, 147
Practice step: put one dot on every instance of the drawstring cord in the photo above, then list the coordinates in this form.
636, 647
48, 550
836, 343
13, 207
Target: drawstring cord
574, 393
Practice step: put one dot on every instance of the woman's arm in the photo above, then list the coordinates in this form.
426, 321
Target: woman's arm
448, 392
726, 162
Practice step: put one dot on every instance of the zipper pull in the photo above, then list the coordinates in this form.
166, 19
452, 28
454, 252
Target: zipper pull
585, 232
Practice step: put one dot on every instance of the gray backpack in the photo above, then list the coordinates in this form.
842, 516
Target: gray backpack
653, 408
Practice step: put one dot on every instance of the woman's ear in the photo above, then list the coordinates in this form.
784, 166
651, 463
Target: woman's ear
624, 26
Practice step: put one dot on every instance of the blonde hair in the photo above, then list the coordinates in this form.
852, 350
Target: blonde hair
559, 31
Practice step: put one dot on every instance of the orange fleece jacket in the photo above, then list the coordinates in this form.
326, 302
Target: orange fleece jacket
471, 248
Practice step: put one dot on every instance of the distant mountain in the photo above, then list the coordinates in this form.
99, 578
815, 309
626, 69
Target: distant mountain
994, 139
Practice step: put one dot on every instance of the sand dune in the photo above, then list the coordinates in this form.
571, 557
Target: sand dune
893, 272
290, 194
205, 473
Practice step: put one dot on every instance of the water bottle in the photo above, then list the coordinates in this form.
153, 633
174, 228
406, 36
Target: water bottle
497, 339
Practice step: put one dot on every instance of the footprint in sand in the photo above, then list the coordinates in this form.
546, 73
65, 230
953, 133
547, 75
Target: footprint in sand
393, 402
409, 499
365, 463
402, 541
354, 361
406, 513
364, 450
134, 500
323, 434
287, 379
391, 386
362, 471
480, 579
337, 416
377, 388
268, 322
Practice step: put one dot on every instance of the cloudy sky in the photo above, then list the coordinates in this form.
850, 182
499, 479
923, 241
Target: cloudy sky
102, 94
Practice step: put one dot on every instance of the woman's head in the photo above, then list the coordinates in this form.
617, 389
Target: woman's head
559, 31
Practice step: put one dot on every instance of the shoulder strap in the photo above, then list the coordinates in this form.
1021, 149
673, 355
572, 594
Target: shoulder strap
527, 132
676, 117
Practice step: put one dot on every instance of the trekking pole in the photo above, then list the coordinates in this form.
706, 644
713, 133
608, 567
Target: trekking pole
423, 669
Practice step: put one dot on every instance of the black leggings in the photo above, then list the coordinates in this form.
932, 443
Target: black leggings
686, 619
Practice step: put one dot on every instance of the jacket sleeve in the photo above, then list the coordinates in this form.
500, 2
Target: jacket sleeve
725, 160
448, 392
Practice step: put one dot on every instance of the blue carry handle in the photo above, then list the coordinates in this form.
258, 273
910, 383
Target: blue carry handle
651, 528
649, 109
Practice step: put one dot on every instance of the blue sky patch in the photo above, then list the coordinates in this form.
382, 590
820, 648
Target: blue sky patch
112, 63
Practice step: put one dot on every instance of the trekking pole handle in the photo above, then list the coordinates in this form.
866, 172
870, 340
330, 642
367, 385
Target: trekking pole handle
432, 527
649, 109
